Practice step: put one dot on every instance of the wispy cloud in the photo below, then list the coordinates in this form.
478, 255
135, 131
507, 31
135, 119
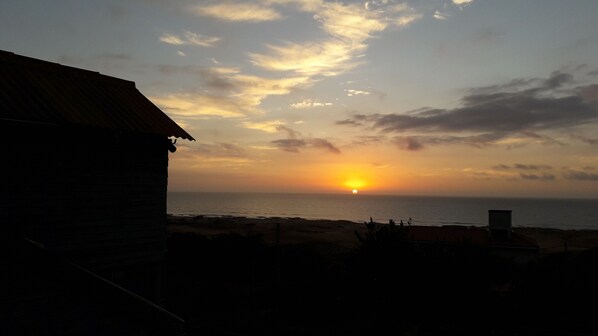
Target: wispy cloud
348, 28
405, 20
295, 142
440, 16
189, 38
591, 141
351, 92
538, 177
296, 145
199, 105
291, 133
350, 22
324, 144
234, 94
327, 58
521, 166
580, 175
214, 154
219, 149
248, 12
462, 2
399, 15
309, 103
530, 172
265, 126
408, 143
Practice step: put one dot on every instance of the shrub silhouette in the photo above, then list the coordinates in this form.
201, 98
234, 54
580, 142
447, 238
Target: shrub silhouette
404, 285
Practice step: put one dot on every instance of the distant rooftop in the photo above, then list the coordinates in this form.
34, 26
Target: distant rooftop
38, 91
478, 236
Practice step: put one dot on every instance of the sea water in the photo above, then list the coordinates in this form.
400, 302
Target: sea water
526, 212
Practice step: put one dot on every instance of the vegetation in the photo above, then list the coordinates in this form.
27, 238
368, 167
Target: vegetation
387, 285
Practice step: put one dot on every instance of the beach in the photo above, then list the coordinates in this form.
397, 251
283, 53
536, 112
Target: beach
340, 234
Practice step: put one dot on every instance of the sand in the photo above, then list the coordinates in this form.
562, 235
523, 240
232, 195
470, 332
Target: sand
340, 235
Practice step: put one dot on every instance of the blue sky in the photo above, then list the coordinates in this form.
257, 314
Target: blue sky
444, 97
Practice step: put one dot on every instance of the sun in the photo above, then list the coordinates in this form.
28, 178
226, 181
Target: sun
354, 191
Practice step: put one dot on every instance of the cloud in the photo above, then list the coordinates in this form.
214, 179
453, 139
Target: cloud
219, 149
291, 133
419, 142
399, 14
519, 109
197, 105
355, 120
324, 58
290, 145
309, 103
295, 145
189, 38
405, 20
462, 2
348, 26
408, 143
181, 53
538, 177
501, 167
351, 92
295, 142
591, 141
590, 93
238, 95
366, 140
350, 22
216, 154
535, 172
243, 12
580, 175
531, 167
253, 89
266, 126
324, 144
521, 166
298, 65
440, 16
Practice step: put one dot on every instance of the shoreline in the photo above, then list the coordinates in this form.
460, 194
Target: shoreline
340, 234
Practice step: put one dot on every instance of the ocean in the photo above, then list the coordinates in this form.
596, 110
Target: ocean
423, 210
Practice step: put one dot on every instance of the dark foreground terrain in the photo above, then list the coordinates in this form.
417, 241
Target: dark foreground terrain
245, 283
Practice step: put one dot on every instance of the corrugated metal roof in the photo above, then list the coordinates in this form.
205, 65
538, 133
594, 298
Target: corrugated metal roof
37, 91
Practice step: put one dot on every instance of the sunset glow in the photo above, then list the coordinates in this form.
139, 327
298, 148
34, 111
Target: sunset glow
355, 184
392, 97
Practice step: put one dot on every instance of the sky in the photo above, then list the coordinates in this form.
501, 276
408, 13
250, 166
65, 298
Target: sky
435, 97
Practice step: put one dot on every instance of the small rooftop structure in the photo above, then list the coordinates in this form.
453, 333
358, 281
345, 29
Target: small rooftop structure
499, 223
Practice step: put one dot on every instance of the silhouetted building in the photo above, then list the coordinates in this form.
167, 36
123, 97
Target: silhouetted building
85, 167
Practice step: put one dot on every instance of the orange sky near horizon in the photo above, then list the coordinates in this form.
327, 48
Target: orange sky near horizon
408, 174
